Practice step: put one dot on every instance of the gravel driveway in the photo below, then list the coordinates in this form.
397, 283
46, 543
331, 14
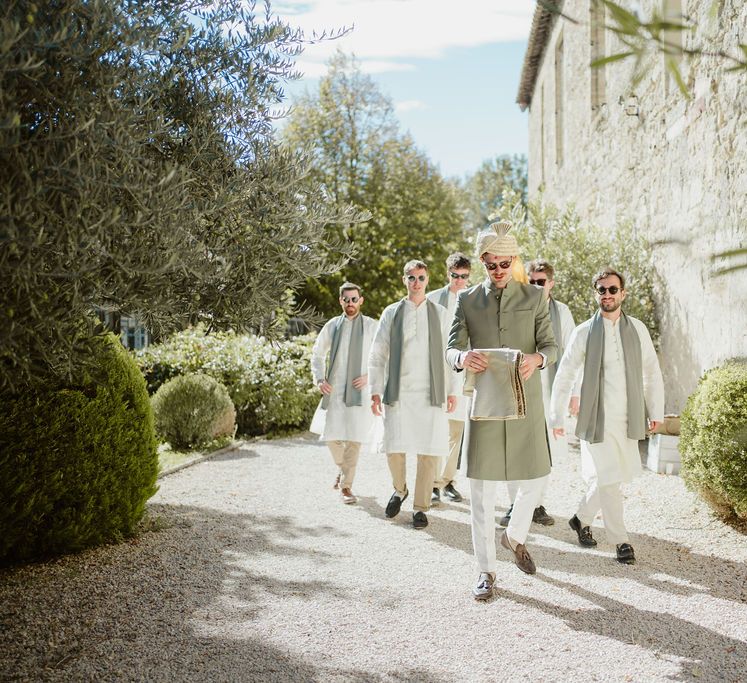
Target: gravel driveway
252, 570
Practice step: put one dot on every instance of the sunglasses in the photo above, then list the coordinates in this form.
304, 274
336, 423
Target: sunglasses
457, 276
503, 265
412, 278
541, 283
614, 289
351, 299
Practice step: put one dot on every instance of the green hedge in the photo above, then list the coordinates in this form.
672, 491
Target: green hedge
713, 439
193, 410
78, 463
269, 382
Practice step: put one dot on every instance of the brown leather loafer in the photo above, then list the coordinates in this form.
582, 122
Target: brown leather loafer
347, 496
522, 558
484, 588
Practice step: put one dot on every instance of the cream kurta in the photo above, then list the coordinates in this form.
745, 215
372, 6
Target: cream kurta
460, 412
341, 422
412, 424
616, 459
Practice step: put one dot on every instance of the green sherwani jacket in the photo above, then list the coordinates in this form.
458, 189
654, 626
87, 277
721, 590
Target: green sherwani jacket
505, 450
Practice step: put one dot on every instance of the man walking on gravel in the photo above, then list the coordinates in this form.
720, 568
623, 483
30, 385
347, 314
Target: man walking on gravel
621, 383
458, 268
542, 274
497, 314
339, 366
412, 387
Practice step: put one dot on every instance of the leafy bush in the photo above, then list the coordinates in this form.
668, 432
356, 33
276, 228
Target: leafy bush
269, 382
193, 410
77, 462
713, 439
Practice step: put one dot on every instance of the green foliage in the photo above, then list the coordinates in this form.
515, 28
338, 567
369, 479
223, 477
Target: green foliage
485, 190
269, 382
77, 462
362, 159
578, 251
193, 410
139, 173
713, 439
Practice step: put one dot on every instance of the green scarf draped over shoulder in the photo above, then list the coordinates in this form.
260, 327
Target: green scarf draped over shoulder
352, 395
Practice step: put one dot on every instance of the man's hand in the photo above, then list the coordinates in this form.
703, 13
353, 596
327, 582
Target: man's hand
474, 361
451, 403
360, 382
558, 431
653, 424
324, 386
574, 404
376, 404
529, 364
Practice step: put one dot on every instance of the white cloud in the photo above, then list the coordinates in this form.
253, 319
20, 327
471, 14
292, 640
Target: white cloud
388, 31
409, 105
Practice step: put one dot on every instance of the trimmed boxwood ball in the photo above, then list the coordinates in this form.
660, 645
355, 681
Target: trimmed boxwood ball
713, 440
77, 463
192, 410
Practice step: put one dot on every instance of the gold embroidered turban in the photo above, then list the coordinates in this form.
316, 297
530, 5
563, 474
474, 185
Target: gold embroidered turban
496, 240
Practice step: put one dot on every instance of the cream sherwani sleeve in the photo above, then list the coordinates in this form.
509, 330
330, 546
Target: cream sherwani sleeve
378, 358
653, 383
320, 351
571, 365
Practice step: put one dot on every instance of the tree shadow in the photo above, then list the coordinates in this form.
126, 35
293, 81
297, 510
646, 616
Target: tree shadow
241, 453
108, 613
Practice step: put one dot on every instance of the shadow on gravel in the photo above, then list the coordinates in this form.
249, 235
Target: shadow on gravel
712, 656
238, 454
174, 604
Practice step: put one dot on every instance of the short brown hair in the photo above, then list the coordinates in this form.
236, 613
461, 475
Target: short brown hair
606, 272
458, 260
345, 286
411, 265
539, 265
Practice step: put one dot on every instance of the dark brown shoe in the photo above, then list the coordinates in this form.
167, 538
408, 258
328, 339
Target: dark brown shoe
583, 532
336, 485
484, 588
522, 558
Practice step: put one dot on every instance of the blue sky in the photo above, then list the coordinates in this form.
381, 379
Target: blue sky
451, 69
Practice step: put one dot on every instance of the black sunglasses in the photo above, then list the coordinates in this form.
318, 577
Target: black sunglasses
457, 276
412, 278
504, 265
614, 289
541, 283
351, 299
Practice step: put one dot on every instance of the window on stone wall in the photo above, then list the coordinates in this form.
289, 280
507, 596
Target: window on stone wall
598, 50
559, 94
672, 11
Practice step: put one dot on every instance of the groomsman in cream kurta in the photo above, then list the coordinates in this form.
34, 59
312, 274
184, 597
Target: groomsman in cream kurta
458, 268
621, 383
502, 313
339, 366
413, 389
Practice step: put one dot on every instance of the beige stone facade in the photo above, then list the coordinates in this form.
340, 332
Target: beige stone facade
676, 168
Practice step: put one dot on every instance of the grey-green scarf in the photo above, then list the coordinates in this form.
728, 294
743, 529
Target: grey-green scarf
557, 331
352, 395
443, 297
435, 352
590, 425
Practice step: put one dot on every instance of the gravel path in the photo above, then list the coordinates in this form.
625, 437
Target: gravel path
252, 570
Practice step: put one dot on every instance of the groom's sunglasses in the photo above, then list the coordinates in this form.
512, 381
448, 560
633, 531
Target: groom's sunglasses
503, 265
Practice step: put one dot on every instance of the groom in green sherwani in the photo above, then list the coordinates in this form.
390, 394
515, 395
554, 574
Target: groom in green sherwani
502, 313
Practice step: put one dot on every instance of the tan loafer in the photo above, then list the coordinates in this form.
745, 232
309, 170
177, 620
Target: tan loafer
522, 558
348, 497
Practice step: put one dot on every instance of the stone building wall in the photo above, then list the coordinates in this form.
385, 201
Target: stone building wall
676, 168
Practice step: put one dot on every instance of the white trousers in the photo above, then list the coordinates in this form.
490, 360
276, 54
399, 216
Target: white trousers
609, 500
483, 495
513, 487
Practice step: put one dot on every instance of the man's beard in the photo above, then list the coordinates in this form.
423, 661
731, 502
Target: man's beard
609, 308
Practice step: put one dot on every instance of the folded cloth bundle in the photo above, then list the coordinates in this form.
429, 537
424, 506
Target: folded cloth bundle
498, 392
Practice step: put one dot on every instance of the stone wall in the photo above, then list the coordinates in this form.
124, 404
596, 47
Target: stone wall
676, 168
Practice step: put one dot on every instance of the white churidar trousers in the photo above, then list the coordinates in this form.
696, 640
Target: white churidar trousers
609, 500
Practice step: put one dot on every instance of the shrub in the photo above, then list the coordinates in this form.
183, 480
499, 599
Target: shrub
193, 410
269, 382
77, 463
713, 439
